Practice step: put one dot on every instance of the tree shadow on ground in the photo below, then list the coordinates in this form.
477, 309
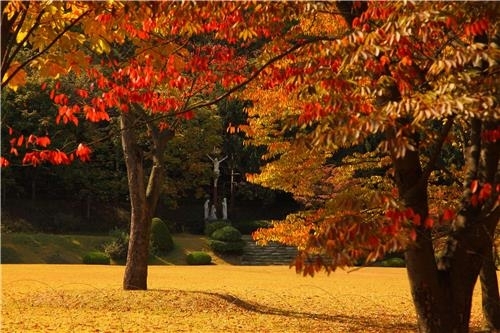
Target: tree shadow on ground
354, 321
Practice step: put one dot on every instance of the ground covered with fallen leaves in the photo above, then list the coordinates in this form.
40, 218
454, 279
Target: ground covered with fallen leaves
218, 298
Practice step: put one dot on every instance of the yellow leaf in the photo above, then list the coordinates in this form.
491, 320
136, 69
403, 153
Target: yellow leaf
104, 46
20, 36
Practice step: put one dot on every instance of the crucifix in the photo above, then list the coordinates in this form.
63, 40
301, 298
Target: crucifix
216, 163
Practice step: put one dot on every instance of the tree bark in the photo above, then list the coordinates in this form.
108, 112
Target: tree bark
136, 270
471, 238
429, 296
143, 197
489, 292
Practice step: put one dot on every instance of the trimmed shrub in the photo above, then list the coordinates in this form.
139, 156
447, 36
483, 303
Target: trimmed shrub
215, 225
392, 262
117, 249
161, 239
248, 227
226, 247
198, 258
96, 258
227, 234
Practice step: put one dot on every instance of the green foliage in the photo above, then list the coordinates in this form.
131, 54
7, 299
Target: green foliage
198, 258
189, 169
14, 224
117, 249
248, 227
9, 255
226, 247
161, 239
392, 262
96, 258
215, 225
227, 234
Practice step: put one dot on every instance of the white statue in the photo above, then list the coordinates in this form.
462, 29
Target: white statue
213, 215
224, 209
216, 164
206, 209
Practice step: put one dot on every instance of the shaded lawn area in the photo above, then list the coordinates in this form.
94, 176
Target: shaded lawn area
39, 248
77, 298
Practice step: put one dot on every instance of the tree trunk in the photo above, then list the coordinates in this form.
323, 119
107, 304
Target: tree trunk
489, 292
428, 292
143, 197
136, 270
471, 239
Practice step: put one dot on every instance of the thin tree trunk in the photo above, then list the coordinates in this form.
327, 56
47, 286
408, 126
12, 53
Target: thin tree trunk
136, 270
143, 197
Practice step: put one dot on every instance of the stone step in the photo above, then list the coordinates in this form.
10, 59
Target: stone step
272, 254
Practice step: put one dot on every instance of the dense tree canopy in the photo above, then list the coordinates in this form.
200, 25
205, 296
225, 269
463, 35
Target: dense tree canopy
414, 80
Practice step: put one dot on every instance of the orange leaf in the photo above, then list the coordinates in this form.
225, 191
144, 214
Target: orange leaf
43, 141
384, 60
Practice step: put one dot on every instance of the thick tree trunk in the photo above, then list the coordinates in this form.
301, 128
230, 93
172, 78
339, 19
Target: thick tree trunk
471, 239
428, 292
490, 294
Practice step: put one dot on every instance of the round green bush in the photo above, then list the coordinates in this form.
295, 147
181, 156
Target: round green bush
215, 225
226, 247
248, 227
161, 239
198, 258
393, 262
227, 234
96, 258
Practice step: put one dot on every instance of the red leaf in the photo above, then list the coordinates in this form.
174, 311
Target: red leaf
416, 220
428, 223
474, 185
413, 235
448, 215
83, 152
20, 140
474, 200
485, 192
4, 162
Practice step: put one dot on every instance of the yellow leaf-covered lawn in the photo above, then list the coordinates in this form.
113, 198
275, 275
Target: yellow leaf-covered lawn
222, 298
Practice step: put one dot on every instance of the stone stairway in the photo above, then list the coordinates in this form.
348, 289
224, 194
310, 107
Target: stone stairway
272, 254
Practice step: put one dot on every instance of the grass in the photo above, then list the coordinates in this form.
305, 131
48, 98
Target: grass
218, 298
23, 248
47, 248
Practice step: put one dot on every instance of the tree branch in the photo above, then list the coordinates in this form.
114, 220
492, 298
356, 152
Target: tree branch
30, 59
437, 149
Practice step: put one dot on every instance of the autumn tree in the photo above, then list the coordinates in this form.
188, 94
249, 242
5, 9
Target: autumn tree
153, 63
412, 72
